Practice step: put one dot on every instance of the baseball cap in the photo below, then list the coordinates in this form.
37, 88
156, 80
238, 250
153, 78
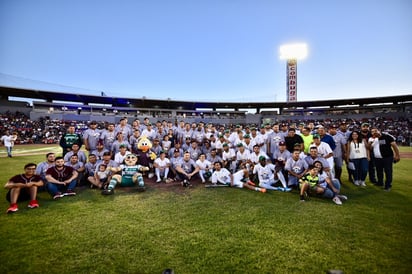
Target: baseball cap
282, 143
239, 145
262, 158
365, 125
93, 123
316, 136
225, 145
123, 145
246, 136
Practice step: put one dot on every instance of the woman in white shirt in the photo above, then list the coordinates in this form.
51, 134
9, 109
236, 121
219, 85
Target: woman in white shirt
357, 152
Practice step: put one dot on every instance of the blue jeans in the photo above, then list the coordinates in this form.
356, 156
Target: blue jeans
328, 192
384, 165
54, 188
361, 169
9, 149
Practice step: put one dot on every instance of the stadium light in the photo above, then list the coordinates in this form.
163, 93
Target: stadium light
292, 53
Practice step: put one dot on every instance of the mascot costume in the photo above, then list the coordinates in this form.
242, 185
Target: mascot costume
130, 175
146, 157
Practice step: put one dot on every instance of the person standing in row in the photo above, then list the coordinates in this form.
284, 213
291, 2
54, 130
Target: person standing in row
386, 153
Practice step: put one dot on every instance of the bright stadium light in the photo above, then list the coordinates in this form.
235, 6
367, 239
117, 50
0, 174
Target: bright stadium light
292, 53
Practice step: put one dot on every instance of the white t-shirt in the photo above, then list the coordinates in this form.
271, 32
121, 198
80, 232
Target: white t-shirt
222, 176
162, 163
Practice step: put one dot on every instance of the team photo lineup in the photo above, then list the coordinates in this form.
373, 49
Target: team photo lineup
305, 158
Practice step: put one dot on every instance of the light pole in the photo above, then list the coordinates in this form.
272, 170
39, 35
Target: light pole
292, 53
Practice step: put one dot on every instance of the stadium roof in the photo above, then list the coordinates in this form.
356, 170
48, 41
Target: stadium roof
143, 102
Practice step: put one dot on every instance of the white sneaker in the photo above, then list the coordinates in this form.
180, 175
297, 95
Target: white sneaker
356, 183
343, 197
158, 180
150, 175
362, 183
336, 200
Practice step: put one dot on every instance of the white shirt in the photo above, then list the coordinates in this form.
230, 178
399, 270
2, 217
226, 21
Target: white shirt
222, 176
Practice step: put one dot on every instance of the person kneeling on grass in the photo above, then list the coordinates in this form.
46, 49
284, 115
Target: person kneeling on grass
266, 175
129, 177
61, 179
309, 184
222, 176
23, 187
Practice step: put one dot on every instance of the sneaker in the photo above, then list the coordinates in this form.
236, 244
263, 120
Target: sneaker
287, 189
33, 204
356, 183
13, 208
185, 183
263, 190
158, 180
387, 189
107, 192
69, 192
336, 200
58, 195
150, 175
302, 198
362, 183
343, 197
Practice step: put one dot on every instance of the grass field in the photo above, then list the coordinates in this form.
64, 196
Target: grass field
201, 230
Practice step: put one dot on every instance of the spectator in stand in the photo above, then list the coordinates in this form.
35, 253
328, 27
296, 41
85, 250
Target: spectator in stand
357, 152
61, 179
23, 187
70, 138
91, 136
8, 140
293, 139
384, 147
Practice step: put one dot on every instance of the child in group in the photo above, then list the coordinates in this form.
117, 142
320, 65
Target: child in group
309, 183
103, 175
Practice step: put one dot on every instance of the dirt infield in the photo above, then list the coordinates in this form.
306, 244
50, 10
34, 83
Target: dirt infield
406, 155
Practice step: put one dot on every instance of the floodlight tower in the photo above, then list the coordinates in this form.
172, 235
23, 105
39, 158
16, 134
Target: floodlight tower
292, 53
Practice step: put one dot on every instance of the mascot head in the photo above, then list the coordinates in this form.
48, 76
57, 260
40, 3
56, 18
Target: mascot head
130, 160
144, 144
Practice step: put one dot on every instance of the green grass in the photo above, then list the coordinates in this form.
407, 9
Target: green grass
202, 230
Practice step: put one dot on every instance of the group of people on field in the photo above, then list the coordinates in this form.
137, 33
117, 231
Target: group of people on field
278, 156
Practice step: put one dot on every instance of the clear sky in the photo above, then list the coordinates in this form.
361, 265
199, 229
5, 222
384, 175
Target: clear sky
207, 50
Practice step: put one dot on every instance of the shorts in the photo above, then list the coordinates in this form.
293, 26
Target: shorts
23, 196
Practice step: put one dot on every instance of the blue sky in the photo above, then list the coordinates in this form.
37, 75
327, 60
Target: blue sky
203, 50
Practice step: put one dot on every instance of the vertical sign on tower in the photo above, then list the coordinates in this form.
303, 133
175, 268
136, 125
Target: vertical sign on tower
291, 80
